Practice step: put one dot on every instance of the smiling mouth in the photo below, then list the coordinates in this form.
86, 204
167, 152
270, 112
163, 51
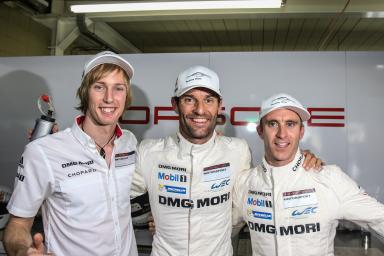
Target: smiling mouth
108, 110
199, 121
282, 144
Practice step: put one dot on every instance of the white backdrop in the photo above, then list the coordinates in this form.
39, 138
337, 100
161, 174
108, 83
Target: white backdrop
351, 83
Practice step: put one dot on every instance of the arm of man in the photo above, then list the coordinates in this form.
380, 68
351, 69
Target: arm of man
239, 182
18, 239
138, 186
356, 205
237, 201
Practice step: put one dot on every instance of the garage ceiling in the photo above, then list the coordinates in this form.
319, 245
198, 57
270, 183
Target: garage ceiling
300, 25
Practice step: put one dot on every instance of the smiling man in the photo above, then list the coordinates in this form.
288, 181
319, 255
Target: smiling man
189, 176
80, 176
289, 211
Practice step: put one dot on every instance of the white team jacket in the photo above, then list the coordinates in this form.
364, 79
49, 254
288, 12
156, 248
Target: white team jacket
190, 192
292, 212
85, 203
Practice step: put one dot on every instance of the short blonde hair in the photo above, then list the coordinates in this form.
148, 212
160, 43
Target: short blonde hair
94, 75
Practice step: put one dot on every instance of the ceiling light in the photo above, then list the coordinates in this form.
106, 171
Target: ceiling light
179, 5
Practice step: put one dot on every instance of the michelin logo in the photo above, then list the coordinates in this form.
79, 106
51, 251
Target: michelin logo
262, 215
177, 190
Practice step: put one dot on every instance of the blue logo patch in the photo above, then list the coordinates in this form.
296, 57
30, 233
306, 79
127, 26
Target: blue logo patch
262, 215
173, 189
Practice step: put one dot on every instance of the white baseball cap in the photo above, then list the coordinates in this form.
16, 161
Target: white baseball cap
283, 101
197, 76
108, 57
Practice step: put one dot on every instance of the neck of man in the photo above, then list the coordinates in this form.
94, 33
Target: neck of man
276, 162
99, 133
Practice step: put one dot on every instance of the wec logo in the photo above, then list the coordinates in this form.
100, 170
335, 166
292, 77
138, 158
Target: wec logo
306, 211
221, 184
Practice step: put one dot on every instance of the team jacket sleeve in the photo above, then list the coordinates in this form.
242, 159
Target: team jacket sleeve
239, 183
33, 182
356, 205
237, 199
138, 182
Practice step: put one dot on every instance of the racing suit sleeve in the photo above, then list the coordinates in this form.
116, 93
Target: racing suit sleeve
237, 201
355, 204
237, 219
34, 182
138, 182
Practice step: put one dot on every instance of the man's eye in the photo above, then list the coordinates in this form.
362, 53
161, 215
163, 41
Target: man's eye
188, 100
120, 88
291, 124
98, 87
209, 100
273, 124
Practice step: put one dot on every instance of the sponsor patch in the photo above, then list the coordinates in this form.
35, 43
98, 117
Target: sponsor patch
218, 185
75, 163
302, 213
189, 203
259, 202
285, 230
299, 198
262, 215
216, 172
260, 193
124, 159
20, 176
21, 162
173, 168
172, 177
82, 172
172, 189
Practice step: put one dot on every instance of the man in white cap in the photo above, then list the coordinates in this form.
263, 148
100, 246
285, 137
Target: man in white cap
189, 176
289, 211
80, 176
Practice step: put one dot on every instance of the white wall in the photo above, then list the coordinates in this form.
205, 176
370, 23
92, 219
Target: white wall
351, 81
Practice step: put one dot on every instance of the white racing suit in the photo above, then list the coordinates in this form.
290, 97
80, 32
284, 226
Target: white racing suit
292, 212
190, 192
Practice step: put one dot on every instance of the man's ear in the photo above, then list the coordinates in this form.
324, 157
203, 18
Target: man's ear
260, 131
302, 130
174, 105
220, 111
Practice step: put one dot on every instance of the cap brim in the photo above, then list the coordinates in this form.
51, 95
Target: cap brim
111, 59
303, 114
181, 92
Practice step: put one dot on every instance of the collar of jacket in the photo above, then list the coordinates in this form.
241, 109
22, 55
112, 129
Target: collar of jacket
186, 148
292, 166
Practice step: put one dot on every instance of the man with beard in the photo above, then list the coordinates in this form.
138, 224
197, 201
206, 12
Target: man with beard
289, 211
189, 175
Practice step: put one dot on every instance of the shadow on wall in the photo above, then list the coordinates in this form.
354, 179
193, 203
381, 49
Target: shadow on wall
139, 99
19, 91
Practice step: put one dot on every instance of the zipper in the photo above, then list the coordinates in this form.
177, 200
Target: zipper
274, 212
190, 200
